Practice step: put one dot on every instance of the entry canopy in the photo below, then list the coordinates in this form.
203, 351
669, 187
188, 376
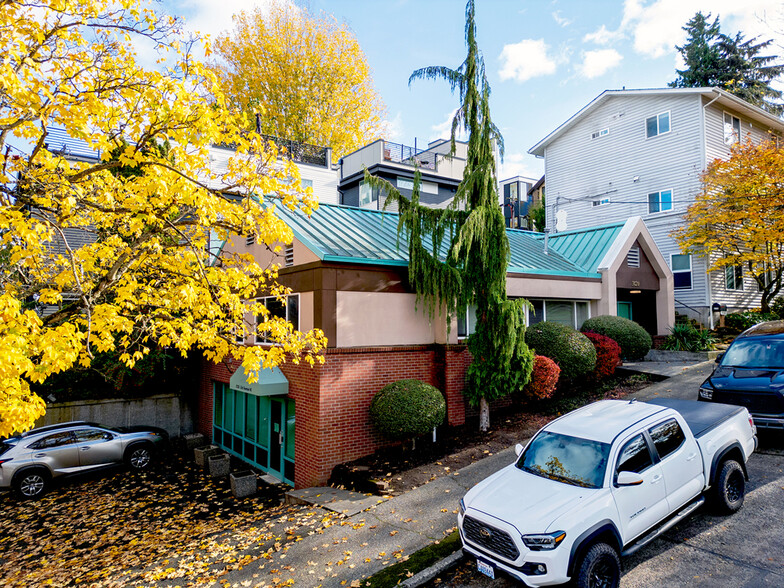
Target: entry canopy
271, 382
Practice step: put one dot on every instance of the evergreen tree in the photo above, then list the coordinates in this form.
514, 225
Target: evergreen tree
472, 233
714, 59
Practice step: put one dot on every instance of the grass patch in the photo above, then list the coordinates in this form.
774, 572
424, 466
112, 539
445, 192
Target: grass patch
418, 561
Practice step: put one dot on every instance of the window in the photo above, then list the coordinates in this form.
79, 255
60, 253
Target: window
634, 456
681, 271
367, 195
56, 440
667, 437
600, 202
733, 277
250, 240
287, 309
405, 184
731, 129
88, 435
657, 125
306, 183
660, 201
572, 313
466, 325
601, 133
633, 257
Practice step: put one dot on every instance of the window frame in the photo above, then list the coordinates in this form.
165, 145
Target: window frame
737, 277
657, 117
600, 133
734, 136
690, 271
572, 301
659, 202
651, 457
662, 456
373, 194
600, 202
261, 340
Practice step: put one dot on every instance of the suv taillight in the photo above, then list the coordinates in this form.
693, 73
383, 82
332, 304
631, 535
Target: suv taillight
2, 461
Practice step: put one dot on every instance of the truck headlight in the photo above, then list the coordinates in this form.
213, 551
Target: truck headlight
706, 393
544, 541
462, 507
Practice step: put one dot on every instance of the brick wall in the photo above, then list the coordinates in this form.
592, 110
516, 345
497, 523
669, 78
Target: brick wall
332, 400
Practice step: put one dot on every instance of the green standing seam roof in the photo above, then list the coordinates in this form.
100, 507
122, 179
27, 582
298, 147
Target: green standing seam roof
350, 234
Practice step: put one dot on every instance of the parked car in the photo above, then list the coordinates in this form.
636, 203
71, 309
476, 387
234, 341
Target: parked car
600, 483
751, 374
31, 460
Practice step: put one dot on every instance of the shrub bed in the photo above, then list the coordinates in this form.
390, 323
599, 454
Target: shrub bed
740, 321
544, 379
634, 341
406, 409
570, 349
608, 354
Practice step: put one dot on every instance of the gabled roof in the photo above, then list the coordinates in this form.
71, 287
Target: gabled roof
349, 234
722, 97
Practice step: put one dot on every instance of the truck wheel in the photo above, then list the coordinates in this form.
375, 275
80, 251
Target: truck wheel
730, 487
599, 568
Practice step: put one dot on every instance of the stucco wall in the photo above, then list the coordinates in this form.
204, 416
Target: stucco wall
373, 318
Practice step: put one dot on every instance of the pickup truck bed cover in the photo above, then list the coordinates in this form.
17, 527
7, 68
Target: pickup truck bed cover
700, 416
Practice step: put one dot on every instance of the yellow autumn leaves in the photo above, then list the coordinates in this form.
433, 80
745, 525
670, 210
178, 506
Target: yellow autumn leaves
118, 252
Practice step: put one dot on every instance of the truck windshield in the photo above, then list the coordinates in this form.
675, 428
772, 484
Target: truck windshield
755, 353
566, 459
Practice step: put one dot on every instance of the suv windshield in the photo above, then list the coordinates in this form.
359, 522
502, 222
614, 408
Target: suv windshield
567, 459
755, 353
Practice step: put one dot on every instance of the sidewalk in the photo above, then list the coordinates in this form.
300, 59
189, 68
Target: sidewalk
361, 545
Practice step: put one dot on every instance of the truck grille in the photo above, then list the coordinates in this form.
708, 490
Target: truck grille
755, 402
490, 538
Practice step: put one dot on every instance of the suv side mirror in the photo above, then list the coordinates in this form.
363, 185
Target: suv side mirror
628, 479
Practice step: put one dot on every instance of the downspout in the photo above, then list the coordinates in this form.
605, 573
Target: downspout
708, 286
546, 237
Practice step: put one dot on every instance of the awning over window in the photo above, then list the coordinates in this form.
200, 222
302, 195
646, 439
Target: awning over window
271, 382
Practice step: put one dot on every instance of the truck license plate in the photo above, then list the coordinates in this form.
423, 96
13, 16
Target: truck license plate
486, 569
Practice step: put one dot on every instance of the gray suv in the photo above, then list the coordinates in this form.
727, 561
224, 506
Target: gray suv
31, 460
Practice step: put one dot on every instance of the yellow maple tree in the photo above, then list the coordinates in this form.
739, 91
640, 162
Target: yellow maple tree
306, 77
738, 218
116, 247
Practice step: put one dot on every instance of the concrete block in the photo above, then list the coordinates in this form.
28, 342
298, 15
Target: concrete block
219, 465
244, 483
193, 440
200, 454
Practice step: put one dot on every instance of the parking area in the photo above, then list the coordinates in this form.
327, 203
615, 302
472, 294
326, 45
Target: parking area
170, 525
743, 550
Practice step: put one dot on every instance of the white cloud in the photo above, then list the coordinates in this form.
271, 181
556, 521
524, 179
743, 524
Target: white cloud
561, 20
393, 129
444, 130
597, 63
525, 60
603, 36
520, 164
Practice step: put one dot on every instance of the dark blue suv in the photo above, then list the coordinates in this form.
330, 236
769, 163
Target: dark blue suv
751, 374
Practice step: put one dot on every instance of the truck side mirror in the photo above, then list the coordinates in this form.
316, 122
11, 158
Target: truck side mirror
628, 479
719, 357
518, 449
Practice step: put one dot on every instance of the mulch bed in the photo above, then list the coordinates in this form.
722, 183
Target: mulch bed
394, 470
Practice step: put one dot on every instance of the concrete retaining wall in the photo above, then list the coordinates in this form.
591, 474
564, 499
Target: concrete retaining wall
167, 411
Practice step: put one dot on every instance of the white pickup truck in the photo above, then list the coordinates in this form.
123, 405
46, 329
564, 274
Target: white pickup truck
601, 482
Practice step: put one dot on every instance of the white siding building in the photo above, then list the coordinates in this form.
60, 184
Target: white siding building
641, 153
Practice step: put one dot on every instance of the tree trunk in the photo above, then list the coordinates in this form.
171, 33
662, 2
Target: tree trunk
484, 415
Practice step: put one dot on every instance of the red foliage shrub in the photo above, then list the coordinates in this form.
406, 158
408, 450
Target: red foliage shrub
608, 353
544, 378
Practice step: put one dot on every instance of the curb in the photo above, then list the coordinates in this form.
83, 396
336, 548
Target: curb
428, 574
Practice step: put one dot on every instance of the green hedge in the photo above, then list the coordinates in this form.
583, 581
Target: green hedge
740, 321
570, 349
406, 409
635, 341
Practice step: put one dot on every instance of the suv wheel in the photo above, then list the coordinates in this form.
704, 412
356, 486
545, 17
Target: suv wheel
31, 484
139, 457
730, 487
600, 568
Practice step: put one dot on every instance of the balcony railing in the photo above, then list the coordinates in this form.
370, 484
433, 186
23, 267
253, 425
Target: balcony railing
397, 153
301, 152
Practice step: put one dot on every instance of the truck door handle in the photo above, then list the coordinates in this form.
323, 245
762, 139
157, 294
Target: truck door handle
656, 479
691, 457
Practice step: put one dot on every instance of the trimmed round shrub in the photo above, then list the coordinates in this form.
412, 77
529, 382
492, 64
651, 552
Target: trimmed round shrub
544, 379
608, 354
635, 341
406, 409
570, 349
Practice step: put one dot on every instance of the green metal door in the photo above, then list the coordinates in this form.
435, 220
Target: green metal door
625, 310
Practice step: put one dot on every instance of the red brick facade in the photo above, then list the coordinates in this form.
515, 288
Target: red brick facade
332, 400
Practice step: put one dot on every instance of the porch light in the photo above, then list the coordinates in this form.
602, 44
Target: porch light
635, 291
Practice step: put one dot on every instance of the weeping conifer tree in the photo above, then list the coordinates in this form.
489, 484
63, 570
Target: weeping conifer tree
458, 256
